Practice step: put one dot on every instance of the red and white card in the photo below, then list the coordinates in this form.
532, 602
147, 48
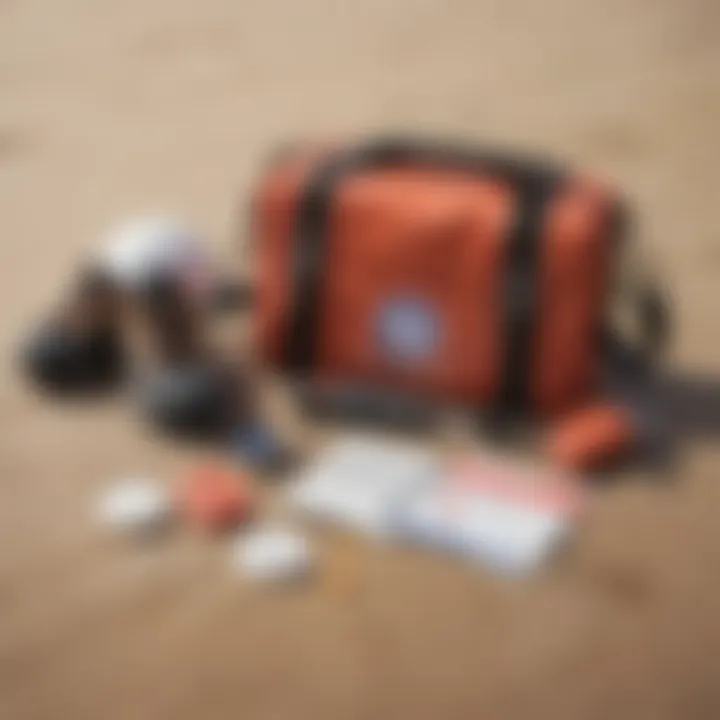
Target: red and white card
503, 515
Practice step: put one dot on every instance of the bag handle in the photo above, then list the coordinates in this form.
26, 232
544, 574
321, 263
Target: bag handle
391, 151
651, 309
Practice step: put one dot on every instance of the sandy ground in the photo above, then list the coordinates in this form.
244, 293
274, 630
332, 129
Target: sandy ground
109, 108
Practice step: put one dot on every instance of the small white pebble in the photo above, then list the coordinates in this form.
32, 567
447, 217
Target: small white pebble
272, 554
134, 505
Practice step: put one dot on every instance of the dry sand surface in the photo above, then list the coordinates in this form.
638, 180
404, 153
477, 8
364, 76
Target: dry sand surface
109, 108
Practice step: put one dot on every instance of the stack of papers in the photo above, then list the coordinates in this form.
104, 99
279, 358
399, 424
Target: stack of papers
500, 514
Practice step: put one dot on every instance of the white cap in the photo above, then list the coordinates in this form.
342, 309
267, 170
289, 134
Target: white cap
142, 247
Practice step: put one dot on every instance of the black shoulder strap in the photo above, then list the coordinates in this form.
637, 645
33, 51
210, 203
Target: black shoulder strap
309, 251
521, 291
639, 354
535, 182
636, 297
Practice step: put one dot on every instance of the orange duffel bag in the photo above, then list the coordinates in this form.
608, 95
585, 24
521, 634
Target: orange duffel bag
453, 273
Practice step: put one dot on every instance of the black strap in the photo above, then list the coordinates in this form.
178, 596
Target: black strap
638, 355
534, 181
524, 250
637, 289
309, 250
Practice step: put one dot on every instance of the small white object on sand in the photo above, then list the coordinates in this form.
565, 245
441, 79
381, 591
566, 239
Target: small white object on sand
141, 248
134, 505
272, 554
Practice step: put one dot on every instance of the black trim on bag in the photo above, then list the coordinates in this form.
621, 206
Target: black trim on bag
521, 293
309, 248
534, 181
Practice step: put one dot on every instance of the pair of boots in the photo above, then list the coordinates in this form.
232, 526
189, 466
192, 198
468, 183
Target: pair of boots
146, 324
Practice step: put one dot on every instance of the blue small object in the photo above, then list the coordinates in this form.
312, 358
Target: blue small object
259, 446
408, 330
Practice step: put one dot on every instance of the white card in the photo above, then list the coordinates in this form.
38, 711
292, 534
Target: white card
359, 483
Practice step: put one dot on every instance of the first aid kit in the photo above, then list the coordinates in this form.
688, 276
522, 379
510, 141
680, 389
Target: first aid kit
457, 274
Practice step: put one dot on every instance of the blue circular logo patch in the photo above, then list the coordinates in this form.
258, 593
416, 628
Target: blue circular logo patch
408, 330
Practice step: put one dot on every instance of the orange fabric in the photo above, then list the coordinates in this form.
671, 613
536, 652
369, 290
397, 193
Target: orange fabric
443, 236
405, 233
591, 438
216, 498
573, 282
